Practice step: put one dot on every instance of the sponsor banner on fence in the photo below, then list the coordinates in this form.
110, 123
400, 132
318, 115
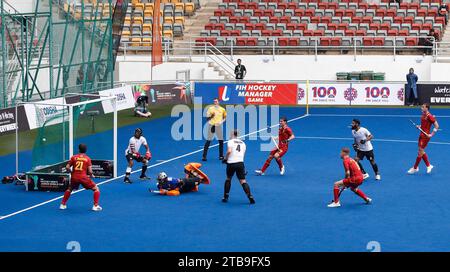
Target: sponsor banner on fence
164, 94
8, 120
124, 99
361, 94
248, 93
435, 94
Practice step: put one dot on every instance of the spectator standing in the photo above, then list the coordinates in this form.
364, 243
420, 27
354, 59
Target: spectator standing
240, 71
411, 88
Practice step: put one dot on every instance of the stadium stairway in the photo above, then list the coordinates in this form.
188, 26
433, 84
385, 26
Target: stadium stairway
444, 47
193, 26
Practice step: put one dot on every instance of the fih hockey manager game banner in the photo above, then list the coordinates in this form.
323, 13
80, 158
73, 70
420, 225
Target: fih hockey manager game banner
361, 94
248, 93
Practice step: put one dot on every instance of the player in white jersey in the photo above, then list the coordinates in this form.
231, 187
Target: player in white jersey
132, 153
363, 147
234, 159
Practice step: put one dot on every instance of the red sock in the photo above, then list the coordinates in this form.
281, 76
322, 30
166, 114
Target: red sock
266, 164
66, 197
96, 197
336, 194
418, 159
360, 193
425, 159
280, 163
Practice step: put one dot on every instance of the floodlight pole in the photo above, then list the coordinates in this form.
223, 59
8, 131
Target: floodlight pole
70, 131
17, 141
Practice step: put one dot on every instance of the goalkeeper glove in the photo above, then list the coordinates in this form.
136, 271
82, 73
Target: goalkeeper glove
148, 155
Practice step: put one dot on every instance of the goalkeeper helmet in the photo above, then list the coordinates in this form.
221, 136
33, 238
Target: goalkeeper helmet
138, 133
162, 176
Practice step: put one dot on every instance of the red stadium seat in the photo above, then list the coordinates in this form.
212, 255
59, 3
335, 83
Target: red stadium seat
350, 12
343, 26
301, 26
392, 32
416, 26
398, 19
380, 12
415, 6
266, 32
360, 32
403, 32
315, 19
258, 12
432, 13
283, 5
367, 19
340, 13
241, 41
363, 5
249, 26
244, 20
308, 32
411, 41
291, 26
235, 33
427, 26
333, 5
268, 12
212, 40
325, 41
283, 41
408, 20
391, 12
225, 33
252, 5
385, 26
421, 12
319, 33
404, 5
357, 20
234, 20
350, 32
378, 41
336, 41
209, 26
325, 20
367, 41
274, 20
252, 41
332, 26
218, 12
228, 12
242, 5
374, 26
299, 12
440, 20
260, 26
285, 19
309, 12
373, 6
277, 32
323, 5
292, 6
294, 42
219, 27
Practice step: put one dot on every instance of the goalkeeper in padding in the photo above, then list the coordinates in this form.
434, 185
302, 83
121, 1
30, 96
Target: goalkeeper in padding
132, 154
175, 186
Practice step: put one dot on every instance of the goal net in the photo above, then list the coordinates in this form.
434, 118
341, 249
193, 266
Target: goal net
56, 128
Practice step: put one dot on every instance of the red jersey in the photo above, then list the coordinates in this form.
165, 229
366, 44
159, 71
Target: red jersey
80, 164
352, 166
427, 120
283, 135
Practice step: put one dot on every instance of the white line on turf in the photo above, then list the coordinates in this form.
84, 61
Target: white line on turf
374, 140
150, 166
372, 115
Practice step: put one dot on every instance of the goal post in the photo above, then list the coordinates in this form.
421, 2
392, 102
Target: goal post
56, 128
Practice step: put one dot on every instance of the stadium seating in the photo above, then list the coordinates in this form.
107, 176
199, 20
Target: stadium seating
137, 28
310, 22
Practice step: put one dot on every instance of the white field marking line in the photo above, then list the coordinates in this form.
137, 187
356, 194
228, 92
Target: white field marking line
135, 171
373, 115
374, 140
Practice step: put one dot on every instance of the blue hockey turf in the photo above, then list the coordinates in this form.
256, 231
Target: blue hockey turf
408, 213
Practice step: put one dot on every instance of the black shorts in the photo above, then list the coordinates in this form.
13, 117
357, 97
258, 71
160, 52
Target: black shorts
188, 184
238, 168
130, 157
368, 154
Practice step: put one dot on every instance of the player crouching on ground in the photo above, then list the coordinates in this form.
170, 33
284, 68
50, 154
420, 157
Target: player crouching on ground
79, 167
353, 179
175, 186
132, 153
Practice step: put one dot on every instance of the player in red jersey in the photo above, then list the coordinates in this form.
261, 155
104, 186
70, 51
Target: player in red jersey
426, 121
81, 166
285, 135
353, 179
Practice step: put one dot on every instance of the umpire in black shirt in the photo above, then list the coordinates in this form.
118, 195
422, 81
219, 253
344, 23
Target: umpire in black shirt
240, 70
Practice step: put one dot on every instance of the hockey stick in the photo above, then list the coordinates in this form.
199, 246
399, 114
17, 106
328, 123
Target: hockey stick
418, 127
274, 142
